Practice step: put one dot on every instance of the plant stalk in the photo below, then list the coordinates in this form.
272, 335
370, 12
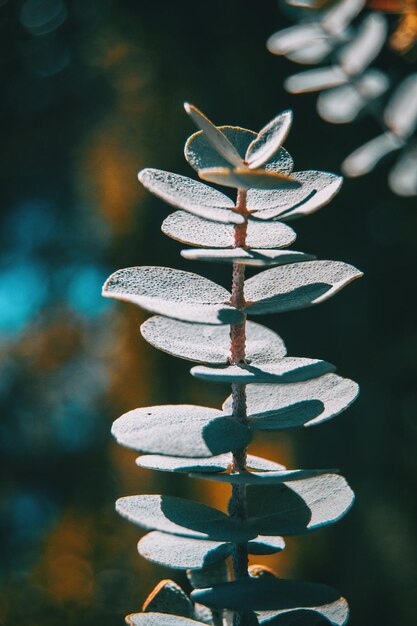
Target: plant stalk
237, 503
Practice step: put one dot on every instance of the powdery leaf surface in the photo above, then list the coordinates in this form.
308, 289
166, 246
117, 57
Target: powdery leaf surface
269, 140
256, 258
160, 619
298, 506
187, 553
316, 190
256, 595
335, 613
190, 195
297, 285
244, 178
200, 153
401, 113
286, 370
180, 430
210, 344
217, 139
270, 593
196, 231
182, 517
278, 407
219, 463
174, 293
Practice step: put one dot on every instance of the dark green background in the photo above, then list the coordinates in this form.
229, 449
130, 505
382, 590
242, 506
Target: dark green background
82, 109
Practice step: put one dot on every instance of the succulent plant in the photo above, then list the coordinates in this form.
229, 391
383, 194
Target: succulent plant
201, 321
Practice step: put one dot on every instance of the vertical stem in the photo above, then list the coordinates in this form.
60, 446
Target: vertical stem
237, 503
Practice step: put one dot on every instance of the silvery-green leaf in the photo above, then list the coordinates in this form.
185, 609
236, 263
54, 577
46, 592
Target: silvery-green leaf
342, 105
291, 39
403, 177
180, 430
218, 140
168, 597
160, 619
219, 463
200, 153
183, 517
251, 594
336, 614
196, 231
264, 544
365, 158
299, 506
177, 294
337, 19
182, 552
190, 195
278, 407
188, 553
256, 258
261, 478
359, 53
210, 344
316, 190
401, 113
313, 52
286, 370
245, 178
316, 80
296, 286
269, 140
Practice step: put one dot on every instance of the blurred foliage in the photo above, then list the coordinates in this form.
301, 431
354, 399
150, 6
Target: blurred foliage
92, 92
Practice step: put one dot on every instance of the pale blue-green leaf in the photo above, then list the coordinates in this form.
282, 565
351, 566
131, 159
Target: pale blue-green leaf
196, 231
201, 155
342, 105
188, 553
316, 80
403, 177
261, 478
219, 463
363, 160
245, 178
174, 293
285, 370
365, 46
190, 195
180, 430
293, 38
278, 407
312, 53
296, 286
401, 113
182, 552
336, 614
298, 506
256, 258
210, 344
269, 140
340, 15
160, 619
168, 597
251, 594
218, 140
183, 517
317, 189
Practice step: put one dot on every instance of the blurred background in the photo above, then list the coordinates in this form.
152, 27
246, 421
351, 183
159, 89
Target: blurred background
92, 91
